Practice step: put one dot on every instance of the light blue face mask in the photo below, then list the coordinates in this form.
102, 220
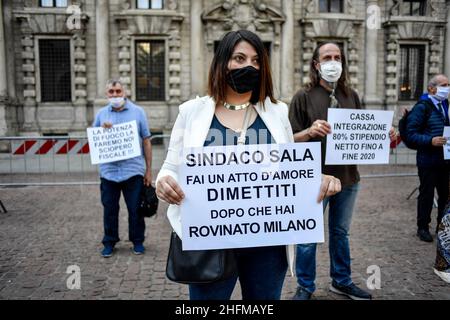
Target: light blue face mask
117, 101
442, 93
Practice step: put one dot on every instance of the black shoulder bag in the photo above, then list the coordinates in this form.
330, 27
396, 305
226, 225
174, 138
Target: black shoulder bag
148, 203
196, 267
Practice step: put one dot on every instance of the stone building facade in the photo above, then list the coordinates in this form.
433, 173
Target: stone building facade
56, 56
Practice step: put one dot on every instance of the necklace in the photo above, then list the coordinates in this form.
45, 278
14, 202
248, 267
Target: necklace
236, 107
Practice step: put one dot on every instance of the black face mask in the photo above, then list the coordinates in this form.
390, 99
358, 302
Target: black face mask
244, 79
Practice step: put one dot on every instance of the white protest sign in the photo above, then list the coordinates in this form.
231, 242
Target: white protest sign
120, 142
251, 196
358, 136
447, 146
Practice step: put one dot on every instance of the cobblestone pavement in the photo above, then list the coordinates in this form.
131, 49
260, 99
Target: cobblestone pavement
48, 229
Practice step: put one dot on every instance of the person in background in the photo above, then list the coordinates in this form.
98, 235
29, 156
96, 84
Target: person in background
425, 128
126, 176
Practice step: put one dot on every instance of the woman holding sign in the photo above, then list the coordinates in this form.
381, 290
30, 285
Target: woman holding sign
240, 83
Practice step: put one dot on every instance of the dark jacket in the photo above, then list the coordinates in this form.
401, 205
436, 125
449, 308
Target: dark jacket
421, 131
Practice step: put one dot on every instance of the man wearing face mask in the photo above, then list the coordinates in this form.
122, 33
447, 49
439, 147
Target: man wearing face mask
328, 88
126, 176
425, 128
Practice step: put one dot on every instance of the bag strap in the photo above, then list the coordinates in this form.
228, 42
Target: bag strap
429, 106
247, 117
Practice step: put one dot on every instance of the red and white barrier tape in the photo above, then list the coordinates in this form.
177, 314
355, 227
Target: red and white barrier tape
45, 147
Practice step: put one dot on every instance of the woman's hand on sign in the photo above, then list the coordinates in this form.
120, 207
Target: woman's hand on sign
169, 190
320, 128
329, 187
107, 125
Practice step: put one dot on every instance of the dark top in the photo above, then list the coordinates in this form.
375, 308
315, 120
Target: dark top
308, 106
219, 135
422, 129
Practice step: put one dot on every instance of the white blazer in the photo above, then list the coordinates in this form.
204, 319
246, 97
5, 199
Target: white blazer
191, 129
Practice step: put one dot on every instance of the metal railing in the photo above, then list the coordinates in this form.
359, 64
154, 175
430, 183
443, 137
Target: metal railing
402, 163
54, 161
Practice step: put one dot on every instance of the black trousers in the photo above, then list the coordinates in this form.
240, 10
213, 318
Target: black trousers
110, 196
431, 178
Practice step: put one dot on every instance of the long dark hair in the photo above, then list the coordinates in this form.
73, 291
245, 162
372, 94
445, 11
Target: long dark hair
314, 76
219, 67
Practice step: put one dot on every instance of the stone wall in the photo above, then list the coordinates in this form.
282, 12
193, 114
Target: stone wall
190, 30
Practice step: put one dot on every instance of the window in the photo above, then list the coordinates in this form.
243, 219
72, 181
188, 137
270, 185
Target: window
55, 70
53, 3
414, 8
150, 4
412, 66
333, 6
150, 70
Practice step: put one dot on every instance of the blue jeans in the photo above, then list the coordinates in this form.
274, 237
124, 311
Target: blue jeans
110, 195
261, 273
339, 220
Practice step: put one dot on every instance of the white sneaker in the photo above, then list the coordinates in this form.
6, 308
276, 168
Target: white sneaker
443, 275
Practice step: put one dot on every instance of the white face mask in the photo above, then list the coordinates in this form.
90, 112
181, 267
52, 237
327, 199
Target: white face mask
330, 71
117, 102
442, 93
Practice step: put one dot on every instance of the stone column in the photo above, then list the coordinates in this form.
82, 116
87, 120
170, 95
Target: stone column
286, 84
371, 99
3, 71
3, 78
276, 65
125, 60
175, 75
80, 103
30, 120
447, 42
198, 83
9, 48
391, 81
103, 50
